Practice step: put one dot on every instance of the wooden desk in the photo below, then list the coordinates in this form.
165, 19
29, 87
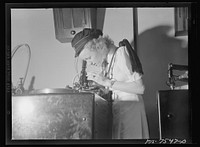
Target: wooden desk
60, 116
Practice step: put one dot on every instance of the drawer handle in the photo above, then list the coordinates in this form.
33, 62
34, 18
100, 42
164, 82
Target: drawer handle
84, 118
170, 116
73, 32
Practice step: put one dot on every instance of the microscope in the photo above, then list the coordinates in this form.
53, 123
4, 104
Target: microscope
88, 85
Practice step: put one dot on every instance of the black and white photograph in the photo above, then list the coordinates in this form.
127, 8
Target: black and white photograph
97, 74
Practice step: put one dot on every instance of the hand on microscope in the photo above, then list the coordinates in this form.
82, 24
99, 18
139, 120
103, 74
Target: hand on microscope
98, 78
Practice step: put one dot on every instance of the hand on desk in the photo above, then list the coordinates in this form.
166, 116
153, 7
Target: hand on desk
98, 78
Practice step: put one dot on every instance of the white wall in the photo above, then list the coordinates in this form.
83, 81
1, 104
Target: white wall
52, 63
157, 47
152, 17
118, 24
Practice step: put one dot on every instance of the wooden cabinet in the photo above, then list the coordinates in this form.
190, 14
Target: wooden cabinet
69, 21
174, 114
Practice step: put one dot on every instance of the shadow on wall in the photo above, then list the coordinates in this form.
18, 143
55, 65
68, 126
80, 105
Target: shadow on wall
156, 49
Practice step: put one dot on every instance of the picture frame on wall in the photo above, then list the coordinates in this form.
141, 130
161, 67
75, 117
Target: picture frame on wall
181, 21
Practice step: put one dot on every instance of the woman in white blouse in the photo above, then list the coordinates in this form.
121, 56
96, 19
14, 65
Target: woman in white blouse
122, 75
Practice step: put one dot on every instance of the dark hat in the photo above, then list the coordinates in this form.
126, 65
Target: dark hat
83, 37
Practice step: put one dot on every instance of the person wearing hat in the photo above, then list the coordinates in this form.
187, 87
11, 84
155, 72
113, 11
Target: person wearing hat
121, 72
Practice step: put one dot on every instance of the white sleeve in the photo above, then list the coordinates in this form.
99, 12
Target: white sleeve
123, 62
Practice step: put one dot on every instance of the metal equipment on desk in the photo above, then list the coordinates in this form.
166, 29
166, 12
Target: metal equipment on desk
174, 78
19, 89
90, 86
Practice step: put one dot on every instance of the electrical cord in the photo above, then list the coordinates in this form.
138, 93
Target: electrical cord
29, 51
